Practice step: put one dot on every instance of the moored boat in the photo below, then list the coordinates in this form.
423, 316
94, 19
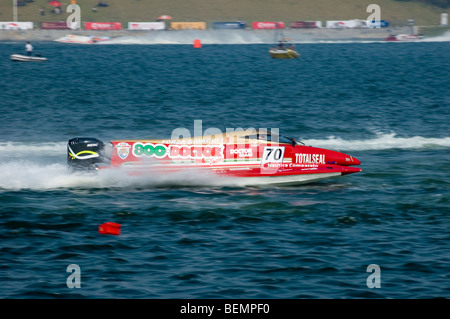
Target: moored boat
251, 157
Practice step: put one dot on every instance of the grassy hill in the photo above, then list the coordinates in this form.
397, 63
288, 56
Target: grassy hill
397, 12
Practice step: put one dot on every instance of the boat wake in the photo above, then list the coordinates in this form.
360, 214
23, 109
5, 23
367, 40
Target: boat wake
22, 175
46, 169
382, 141
206, 37
244, 37
442, 38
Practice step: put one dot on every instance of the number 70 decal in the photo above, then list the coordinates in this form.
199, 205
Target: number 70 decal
273, 154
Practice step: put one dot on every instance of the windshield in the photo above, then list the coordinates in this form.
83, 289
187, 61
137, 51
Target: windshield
271, 137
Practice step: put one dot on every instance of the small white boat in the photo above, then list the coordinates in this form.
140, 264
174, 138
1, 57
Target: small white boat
27, 58
81, 39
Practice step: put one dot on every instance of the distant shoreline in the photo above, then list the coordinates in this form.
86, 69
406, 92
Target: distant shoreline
222, 36
294, 34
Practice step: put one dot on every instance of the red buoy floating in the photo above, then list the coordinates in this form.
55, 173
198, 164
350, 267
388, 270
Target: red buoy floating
197, 43
109, 228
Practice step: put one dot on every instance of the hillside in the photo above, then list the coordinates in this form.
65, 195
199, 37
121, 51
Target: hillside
397, 12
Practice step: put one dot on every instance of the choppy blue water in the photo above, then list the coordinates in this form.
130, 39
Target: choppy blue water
387, 104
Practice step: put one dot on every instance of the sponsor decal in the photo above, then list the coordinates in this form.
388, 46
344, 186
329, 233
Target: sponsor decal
149, 150
273, 154
188, 25
290, 165
242, 152
123, 149
267, 25
16, 25
196, 151
310, 158
103, 25
54, 25
192, 141
229, 25
146, 25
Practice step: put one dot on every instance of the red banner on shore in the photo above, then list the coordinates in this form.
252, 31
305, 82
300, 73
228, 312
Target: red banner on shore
267, 25
54, 25
103, 25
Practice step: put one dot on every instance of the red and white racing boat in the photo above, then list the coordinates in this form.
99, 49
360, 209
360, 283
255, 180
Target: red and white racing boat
81, 39
403, 37
252, 157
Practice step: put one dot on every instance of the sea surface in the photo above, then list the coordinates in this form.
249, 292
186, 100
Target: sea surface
189, 237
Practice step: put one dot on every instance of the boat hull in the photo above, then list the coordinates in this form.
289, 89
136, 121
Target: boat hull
284, 54
228, 177
282, 180
27, 58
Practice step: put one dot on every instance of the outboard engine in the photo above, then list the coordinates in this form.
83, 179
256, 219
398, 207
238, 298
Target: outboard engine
84, 152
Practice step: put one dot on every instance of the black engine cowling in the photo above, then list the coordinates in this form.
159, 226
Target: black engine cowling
84, 152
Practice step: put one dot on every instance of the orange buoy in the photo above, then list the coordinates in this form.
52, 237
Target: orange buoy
197, 43
109, 228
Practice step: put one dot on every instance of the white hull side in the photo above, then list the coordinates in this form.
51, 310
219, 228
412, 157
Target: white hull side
26, 58
280, 180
